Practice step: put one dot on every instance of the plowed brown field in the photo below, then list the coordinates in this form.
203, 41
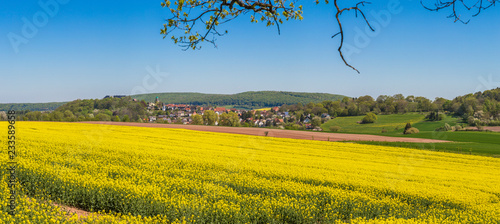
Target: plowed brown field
322, 136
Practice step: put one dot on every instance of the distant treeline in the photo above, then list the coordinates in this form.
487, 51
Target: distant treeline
115, 109
247, 100
481, 108
30, 106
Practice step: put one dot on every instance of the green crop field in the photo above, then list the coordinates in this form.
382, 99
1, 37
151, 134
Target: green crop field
387, 122
470, 142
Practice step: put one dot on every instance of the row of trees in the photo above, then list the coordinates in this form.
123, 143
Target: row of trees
109, 109
211, 118
359, 106
481, 108
30, 106
482, 105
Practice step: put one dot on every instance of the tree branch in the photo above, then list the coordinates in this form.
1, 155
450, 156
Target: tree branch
211, 13
341, 30
479, 5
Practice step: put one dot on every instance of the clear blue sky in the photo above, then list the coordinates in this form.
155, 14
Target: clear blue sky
90, 49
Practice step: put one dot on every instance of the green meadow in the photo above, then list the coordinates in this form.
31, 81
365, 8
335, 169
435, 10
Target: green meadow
468, 142
393, 123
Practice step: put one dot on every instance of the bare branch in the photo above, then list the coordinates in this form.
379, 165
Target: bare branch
478, 5
341, 32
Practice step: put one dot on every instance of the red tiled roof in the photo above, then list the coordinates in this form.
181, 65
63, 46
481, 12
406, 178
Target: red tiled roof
222, 109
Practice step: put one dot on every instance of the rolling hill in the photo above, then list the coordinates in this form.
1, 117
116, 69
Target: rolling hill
252, 99
30, 106
247, 100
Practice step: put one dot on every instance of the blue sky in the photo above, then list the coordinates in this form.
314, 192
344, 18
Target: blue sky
95, 48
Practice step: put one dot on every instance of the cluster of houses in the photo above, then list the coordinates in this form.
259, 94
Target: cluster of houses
184, 113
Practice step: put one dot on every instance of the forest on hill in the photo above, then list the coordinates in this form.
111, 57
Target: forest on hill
30, 106
115, 109
245, 100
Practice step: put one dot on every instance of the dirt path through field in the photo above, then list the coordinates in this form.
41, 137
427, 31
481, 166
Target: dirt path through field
79, 212
71, 210
321, 136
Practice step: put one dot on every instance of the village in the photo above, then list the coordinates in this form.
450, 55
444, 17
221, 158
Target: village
268, 117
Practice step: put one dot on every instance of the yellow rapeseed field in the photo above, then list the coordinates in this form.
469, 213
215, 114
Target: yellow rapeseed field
157, 175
